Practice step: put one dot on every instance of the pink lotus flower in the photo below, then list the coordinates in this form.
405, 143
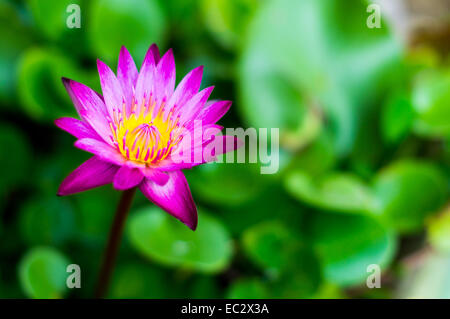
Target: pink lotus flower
139, 126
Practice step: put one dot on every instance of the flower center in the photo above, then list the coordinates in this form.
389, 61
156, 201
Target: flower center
144, 137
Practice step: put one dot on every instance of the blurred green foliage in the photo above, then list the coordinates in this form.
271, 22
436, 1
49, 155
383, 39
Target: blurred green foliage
364, 161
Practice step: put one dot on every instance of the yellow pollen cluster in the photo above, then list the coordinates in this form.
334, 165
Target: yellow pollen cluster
144, 137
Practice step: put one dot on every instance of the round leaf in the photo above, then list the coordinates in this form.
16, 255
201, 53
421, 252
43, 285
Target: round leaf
431, 98
348, 244
225, 183
338, 65
41, 92
42, 273
407, 192
160, 237
338, 191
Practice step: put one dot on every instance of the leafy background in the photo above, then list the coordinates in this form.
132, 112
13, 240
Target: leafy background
364, 118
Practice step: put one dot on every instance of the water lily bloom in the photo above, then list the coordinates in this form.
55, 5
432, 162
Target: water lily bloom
140, 127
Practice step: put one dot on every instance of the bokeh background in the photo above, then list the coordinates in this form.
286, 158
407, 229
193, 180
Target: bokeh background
364, 118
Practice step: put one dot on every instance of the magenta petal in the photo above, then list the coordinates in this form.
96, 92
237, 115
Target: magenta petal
102, 150
90, 107
187, 88
127, 177
165, 77
145, 80
193, 107
111, 88
77, 128
92, 173
127, 74
155, 175
225, 144
174, 197
214, 112
218, 145
155, 51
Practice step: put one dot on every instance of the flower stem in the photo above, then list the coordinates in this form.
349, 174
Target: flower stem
114, 239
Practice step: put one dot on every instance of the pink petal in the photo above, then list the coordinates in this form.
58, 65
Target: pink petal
165, 78
90, 107
77, 128
102, 150
214, 112
145, 80
193, 107
111, 88
127, 177
219, 145
155, 175
187, 88
92, 173
174, 197
127, 74
155, 50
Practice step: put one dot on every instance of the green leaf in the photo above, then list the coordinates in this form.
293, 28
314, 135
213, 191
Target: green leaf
266, 206
268, 245
55, 219
227, 18
41, 92
340, 192
438, 228
292, 268
316, 159
407, 192
431, 100
160, 237
225, 183
138, 281
301, 276
133, 23
397, 118
42, 273
247, 289
348, 244
339, 65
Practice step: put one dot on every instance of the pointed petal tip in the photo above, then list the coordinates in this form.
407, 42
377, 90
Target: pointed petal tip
100, 63
124, 52
193, 225
199, 69
66, 82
